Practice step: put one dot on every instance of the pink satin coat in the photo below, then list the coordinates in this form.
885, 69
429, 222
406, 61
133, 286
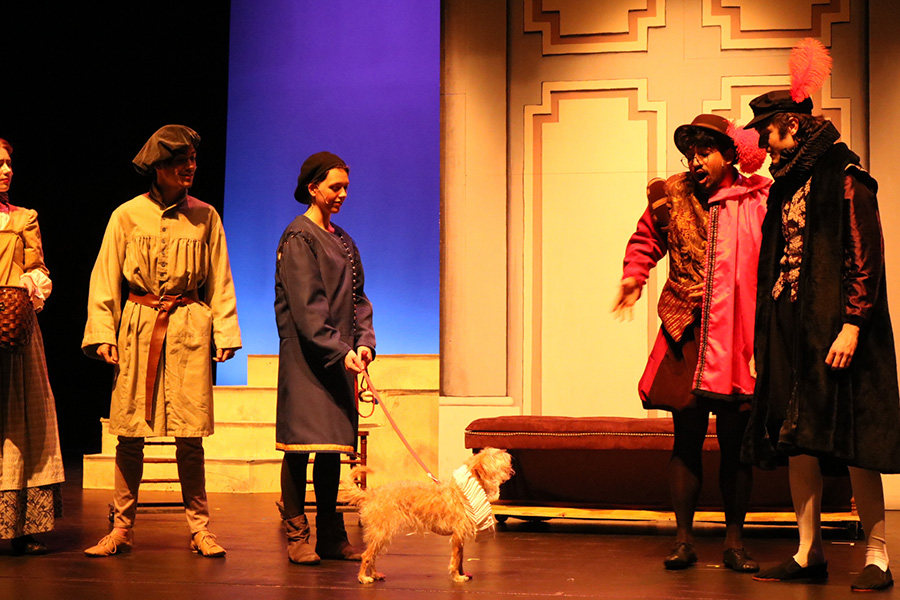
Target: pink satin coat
728, 304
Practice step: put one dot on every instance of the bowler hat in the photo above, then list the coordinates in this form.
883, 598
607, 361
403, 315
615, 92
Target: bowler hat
714, 124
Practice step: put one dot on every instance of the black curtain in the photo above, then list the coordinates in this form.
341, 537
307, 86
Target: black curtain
82, 87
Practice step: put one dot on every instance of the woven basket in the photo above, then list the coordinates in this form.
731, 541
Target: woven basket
16, 319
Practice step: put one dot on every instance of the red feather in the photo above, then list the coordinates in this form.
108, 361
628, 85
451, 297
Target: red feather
810, 66
750, 156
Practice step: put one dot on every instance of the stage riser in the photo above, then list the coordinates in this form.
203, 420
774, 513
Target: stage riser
241, 455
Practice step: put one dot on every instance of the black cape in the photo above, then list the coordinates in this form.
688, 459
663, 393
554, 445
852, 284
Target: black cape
852, 415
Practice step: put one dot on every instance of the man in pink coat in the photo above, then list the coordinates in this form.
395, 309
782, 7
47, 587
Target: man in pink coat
708, 220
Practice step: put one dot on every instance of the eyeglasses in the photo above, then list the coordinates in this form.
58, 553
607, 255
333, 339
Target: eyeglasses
701, 156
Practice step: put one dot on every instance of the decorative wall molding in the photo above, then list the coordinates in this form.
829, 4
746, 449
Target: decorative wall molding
738, 91
580, 36
749, 24
536, 116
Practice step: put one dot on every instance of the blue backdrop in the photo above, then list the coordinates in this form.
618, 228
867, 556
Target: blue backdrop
360, 78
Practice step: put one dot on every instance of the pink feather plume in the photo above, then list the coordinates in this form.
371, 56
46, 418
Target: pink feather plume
750, 156
810, 66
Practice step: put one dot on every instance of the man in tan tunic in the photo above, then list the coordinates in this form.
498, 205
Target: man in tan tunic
170, 249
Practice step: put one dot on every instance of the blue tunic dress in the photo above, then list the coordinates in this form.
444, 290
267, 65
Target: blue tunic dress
322, 312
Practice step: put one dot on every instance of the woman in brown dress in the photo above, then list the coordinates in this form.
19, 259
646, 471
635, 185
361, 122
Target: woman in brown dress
31, 468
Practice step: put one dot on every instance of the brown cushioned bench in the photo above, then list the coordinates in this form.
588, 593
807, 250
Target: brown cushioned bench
617, 468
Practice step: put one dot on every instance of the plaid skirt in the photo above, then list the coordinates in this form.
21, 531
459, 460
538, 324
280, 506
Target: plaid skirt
31, 467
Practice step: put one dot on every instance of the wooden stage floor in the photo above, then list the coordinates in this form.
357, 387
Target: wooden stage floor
556, 559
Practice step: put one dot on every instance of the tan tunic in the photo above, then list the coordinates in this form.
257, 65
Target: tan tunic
176, 250
20, 245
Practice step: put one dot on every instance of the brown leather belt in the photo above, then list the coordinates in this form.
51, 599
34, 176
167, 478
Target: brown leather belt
164, 305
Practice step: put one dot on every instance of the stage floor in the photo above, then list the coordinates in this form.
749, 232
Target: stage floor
567, 559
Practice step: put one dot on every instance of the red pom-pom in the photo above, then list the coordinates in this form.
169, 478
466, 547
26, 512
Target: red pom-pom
810, 66
750, 156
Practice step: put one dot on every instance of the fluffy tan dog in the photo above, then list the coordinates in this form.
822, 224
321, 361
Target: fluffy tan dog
458, 508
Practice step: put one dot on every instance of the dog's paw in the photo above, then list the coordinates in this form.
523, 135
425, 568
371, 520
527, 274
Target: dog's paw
461, 577
371, 578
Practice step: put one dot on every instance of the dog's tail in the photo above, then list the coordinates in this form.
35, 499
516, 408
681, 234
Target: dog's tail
351, 492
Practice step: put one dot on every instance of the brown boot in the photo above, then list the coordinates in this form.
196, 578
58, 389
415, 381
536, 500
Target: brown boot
331, 538
299, 550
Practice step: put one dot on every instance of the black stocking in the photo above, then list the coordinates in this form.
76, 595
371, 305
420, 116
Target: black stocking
686, 467
735, 477
293, 483
326, 478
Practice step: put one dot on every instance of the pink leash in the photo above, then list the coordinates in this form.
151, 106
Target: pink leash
380, 402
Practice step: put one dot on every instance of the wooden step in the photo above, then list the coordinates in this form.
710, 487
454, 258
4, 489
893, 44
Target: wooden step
390, 371
241, 455
222, 475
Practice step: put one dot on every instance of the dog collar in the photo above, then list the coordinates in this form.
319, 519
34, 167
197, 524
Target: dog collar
478, 509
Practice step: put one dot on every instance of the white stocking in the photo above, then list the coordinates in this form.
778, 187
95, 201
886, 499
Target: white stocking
806, 494
869, 496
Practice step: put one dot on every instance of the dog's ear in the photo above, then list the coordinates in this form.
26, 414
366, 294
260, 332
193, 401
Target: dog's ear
490, 465
476, 465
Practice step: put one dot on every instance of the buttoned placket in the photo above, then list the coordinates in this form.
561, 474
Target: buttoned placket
165, 236
166, 221
352, 261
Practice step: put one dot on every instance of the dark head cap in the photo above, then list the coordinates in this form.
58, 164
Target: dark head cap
168, 141
315, 168
770, 104
714, 124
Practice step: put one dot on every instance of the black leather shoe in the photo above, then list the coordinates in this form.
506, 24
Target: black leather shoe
789, 570
872, 579
738, 559
27, 545
681, 557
